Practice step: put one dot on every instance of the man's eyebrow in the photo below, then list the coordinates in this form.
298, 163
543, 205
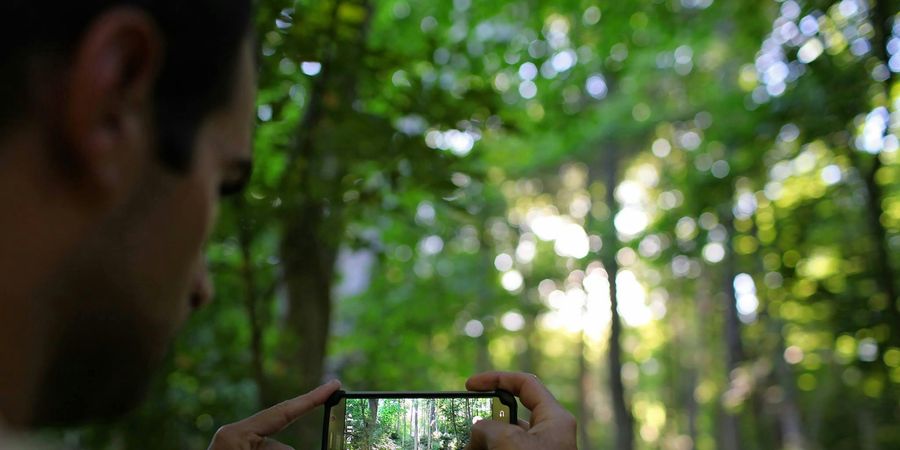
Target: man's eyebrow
237, 176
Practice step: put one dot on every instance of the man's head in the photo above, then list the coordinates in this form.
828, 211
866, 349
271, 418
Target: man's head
121, 123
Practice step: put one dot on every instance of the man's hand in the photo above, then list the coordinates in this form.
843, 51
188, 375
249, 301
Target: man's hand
552, 427
253, 432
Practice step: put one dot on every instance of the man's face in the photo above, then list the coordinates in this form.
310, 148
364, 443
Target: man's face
121, 296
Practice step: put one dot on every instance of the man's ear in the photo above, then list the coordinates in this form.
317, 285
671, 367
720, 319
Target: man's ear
108, 103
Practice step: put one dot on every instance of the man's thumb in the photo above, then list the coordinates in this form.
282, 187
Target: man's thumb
493, 435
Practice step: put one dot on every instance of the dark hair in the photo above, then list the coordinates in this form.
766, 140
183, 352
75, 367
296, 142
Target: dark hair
202, 43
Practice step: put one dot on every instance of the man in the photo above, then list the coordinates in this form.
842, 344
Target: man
121, 124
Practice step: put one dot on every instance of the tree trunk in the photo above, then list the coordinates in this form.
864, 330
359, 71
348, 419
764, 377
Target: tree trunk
868, 428
308, 261
252, 301
693, 409
529, 356
483, 356
684, 359
623, 418
883, 14
584, 398
313, 226
484, 293
734, 349
793, 435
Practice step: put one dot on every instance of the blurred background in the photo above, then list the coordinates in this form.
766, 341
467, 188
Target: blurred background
683, 215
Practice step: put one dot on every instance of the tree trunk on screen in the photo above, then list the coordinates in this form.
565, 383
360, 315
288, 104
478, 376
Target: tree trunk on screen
431, 425
621, 413
372, 422
403, 422
416, 424
454, 418
408, 423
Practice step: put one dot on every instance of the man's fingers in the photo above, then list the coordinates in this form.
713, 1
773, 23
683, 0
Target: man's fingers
527, 387
493, 435
270, 421
552, 427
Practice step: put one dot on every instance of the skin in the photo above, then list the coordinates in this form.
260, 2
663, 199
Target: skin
551, 427
105, 242
105, 245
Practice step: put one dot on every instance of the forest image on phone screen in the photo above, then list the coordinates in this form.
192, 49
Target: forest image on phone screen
412, 423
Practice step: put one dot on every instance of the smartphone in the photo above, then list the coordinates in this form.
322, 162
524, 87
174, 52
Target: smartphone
410, 420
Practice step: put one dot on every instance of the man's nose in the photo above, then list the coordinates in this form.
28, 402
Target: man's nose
201, 286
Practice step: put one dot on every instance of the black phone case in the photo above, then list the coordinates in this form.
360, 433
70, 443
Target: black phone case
505, 397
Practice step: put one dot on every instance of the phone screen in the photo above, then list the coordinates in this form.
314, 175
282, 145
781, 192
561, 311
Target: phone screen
423, 421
